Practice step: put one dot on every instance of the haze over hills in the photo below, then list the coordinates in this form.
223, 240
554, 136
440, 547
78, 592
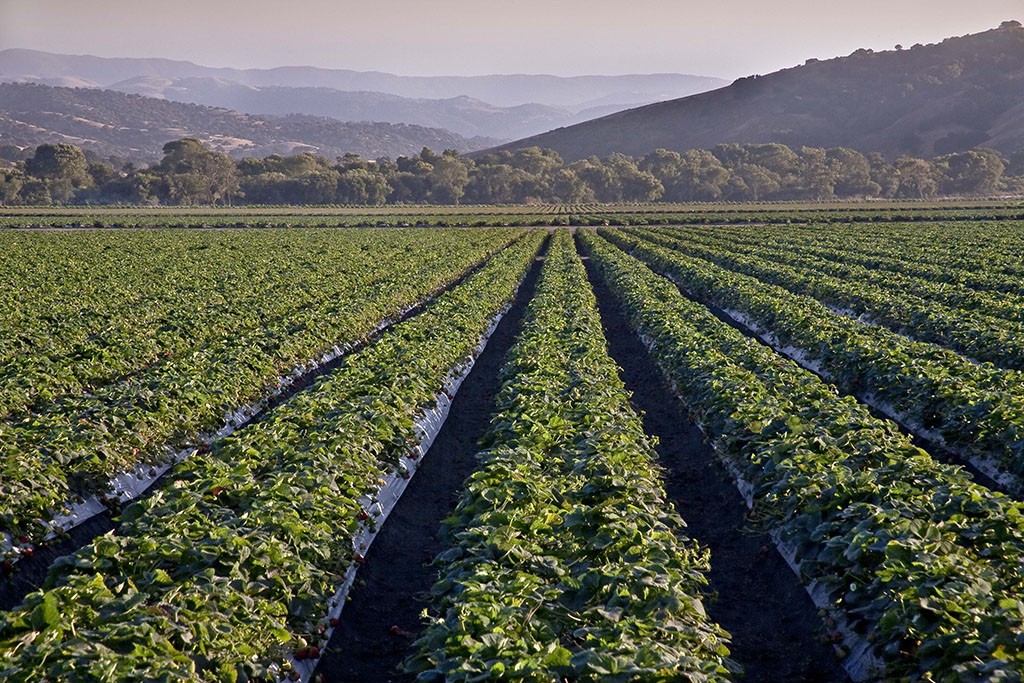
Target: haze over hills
462, 115
137, 127
926, 101
500, 106
503, 90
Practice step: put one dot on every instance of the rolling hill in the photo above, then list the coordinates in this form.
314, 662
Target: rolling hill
137, 127
925, 101
463, 115
526, 104
502, 90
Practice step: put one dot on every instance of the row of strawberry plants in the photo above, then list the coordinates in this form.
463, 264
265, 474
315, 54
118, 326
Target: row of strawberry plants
981, 258
438, 217
74, 446
977, 247
508, 215
910, 553
81, 311
712, 215
229, 569
834, 260
968, 332
566, 562
978, 410
941, 256
969, 246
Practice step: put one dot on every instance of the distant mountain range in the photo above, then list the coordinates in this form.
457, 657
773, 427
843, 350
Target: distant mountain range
925, 101
137, 127
462, 115
500, 106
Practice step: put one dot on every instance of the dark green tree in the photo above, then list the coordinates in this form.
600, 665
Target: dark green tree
60, 162
447, 179
194, 175
362, 186
975, 172
11, 183
917, 178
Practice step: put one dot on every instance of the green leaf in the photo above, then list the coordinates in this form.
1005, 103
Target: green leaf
46, 613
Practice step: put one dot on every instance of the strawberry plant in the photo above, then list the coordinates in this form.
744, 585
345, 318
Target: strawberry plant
976, 408
229, 586
118, 361
969, 331
566, 562
917, 558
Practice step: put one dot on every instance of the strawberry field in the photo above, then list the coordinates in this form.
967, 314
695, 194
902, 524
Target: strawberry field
754, 451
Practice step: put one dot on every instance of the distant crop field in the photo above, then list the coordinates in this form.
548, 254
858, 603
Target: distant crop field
640, 448
512, 215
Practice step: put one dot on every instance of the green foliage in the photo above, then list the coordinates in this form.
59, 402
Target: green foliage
972, 323
979, 408
59, 162
910, 552
191, 174
223, 573
128, 349
565, 560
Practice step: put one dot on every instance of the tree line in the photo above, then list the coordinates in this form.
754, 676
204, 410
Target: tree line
189, 173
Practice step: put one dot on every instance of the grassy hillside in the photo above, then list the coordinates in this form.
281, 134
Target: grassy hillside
465, 116
134, 126
924, 101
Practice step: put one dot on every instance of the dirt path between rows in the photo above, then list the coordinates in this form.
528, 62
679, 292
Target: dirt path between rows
392, 588
774, 625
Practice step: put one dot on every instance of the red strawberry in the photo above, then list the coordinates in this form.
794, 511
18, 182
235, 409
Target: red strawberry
302, 653
216, 490
405, 474
6, 567
22, 539
360, 559
294, 676
363, 516
27, 552
314, 652
334, 622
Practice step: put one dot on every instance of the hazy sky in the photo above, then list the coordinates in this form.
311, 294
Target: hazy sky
727, 38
